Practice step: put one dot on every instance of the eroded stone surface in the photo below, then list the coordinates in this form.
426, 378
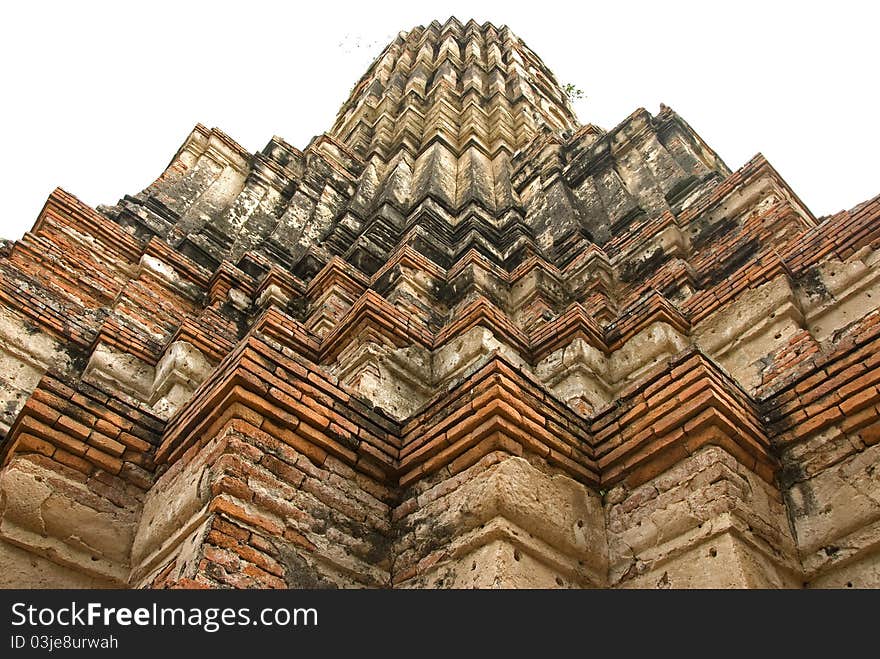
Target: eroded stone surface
459, 340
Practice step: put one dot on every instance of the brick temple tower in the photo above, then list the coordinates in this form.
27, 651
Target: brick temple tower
458, 340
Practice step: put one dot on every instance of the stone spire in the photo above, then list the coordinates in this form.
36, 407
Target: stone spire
455, 341
457, 134
463, 86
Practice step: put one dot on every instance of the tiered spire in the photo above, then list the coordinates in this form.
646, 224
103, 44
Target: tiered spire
456, 330
464, 85
457, 133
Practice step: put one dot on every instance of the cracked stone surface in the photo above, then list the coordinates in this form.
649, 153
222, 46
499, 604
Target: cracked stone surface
460, 339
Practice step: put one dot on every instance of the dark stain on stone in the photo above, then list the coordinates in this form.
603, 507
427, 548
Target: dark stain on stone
640, 269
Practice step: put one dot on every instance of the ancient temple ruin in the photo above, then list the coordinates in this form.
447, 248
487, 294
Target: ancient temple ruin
459, 340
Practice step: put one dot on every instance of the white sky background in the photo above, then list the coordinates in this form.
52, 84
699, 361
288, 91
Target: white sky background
98, 96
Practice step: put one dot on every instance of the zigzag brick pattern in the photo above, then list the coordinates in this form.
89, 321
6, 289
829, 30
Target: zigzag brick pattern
459, 340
